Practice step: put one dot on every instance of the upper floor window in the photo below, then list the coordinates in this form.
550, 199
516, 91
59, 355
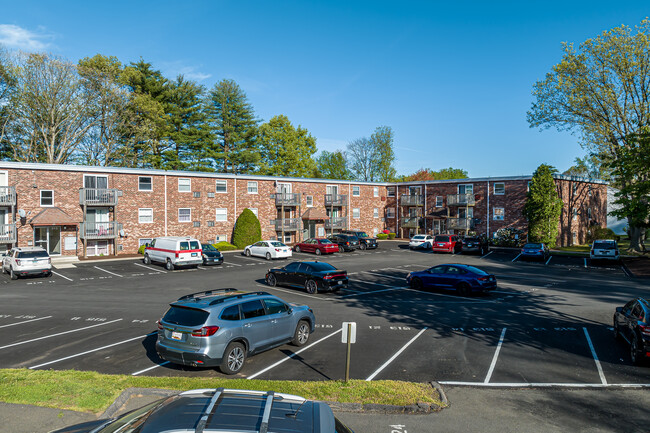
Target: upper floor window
499, 188
356, 192
145, 183
375, 191
390, 212
438, 201
499, 213
391, 191
92, 181
254, 210
356, 213
221, 214
184, 215
375, 212
310, 200
252, 187
222, 186
47, 197
145, 215
466, 189
184, 185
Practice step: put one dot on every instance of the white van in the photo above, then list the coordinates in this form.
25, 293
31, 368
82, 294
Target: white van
174, 251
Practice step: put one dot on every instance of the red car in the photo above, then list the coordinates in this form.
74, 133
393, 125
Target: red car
317, 245
447, 244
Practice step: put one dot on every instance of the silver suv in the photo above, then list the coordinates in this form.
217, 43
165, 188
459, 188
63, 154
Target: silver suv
222, 327
21, 261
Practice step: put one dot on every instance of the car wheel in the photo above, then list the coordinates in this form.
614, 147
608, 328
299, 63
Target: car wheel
247, 253
318, 252
146, 259
233, 358
362, 246
14, 276
462, 289
634, 351
205, 263
416, 284
271, 280
297, 249
4, 270
617, 333
268, 256
301, 336
311, 286
169, 265
341, 249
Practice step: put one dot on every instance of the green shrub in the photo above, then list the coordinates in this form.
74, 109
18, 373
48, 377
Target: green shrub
141, 249
509, 237
601, 233
247, 229
224, 246
382, 235
392, 235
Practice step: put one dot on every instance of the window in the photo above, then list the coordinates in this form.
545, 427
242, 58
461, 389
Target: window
47, 197
390, 212
145, 216
254, 210
375, 212
356, 192
499, 188
210, 223
92, 181
356, 213
528, 186
499, 213
375, 191
197, 194
196, 223
589, 212
144, 241
438, 201
391, 192
466, 189
222, 186
184, 215
145, 183
230, 313
252, 187
210, 195
589, 190
252, 309
574, 187
574, 212
184, 185
275, 307
221, 215
221, 238
310, 200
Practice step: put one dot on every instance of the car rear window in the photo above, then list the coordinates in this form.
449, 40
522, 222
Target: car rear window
325, 241
195, 245
533, 246
185, 316
471, 239
442, 239
418, 237
318, 267
31, 254
278, 244
604, 245
476, 270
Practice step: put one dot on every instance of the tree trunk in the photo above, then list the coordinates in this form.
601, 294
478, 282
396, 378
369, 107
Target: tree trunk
637, 237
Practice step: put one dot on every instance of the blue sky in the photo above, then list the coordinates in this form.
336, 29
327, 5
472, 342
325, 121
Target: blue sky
452, 79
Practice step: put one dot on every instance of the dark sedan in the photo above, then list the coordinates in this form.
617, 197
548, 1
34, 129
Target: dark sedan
464, 279
316, 245
475, 244
312, 276
535, 251
632, 324
345, 242
211, 255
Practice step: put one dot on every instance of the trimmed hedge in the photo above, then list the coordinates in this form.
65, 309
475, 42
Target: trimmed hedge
382, 235
141, 249
602, 233
392, 235
247, 229
224, 246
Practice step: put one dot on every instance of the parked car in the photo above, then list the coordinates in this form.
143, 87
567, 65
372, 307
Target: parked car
365, 241
22, 261
536, 251
211, 255
223, 327
316, 245
313, 276
464, 279
268, 249
632, 324
421, 241
173, 251
604, 249
447, 244
475, 244
345, 242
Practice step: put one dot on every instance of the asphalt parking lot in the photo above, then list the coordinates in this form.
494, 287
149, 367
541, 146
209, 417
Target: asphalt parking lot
547, 325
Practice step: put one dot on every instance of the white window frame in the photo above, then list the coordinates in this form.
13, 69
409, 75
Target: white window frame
143, 241
254, 210
503, 190
220, 238
150, 183
356, 191
375, 212
356, 213
390, 212
251, 187
40, 196
391, 191
375, 191
188, 218
141, 214
181, 183
439, 199
465, 185
224, 214
495, 214
223, 183
309, 199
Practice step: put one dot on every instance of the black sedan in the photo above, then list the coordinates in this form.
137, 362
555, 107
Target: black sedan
312, 276
211, 255
463, 279
632, 324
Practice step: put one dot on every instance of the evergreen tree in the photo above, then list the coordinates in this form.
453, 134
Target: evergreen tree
543, 207
285, 150
247, 229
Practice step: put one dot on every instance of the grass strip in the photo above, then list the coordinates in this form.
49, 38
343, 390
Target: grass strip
88, 391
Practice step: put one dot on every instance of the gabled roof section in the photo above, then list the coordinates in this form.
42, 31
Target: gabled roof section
52, 216
315, 214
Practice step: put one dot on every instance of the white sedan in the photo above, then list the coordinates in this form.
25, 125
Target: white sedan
268, 249
421, 241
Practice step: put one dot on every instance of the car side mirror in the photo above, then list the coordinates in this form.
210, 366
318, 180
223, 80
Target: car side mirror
290, 311
619, 309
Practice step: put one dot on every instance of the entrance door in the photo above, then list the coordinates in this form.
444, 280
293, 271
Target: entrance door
49, 238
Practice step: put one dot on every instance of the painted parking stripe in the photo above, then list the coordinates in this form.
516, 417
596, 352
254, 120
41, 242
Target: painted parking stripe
487, 254
25, 321
292, 292
150, 368
392, 358
495, 357
108, 272
293, 354
544, 385
515, 257
160, 271
59, 333
62, 276
593, 353
549, 259
585, 262
91, 351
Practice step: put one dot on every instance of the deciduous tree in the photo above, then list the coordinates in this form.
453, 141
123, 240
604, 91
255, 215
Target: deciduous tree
286, 150
333, 165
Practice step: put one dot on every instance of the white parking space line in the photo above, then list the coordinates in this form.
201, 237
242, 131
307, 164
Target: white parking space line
495, 357
593, 353
548, 261
293, 354
25, 321
59, 333
108, 272
234, 264
160, 271
515, 257
293, 292
545, 385
199, 267
585, 262
90, 351
487, 254
62, 276
150, 368
392, 358
626, 271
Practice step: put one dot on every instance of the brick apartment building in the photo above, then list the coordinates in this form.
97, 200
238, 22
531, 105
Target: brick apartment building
91, 211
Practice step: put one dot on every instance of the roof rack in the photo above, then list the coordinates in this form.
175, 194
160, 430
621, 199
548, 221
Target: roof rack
241, 295
200, 426
205, 293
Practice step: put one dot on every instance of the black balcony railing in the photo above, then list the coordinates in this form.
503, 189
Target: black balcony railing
461, 200
336, 200
98, 197
287, 199
7, 196
101, 230
7, 233
336, 223
412, 200
287, 224
460, 223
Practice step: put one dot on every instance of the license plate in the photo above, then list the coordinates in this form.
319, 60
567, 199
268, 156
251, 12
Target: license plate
339, 282
441, 245
194, 254
177, 335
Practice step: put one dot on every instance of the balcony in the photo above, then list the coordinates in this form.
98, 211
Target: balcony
461, 200
412, 200
287, 199
336, 223
460, 223
97, 197
7, 195
411, 223
287, 224
7, 233
104, 230
336, 200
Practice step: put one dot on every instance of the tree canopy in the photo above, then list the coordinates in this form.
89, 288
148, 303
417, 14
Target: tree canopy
333, 165
286, 150
543, 207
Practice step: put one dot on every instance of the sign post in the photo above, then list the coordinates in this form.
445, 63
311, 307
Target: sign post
348, 336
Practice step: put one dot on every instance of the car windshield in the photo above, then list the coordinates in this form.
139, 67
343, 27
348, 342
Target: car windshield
475, 270
533, 246
319, 266
442, 238
277, 244
605, 245
208, 247
31, 254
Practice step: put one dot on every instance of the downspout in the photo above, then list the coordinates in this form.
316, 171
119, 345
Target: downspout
347, 210
488, 209
398, 210
424, 213
165, 205
235, 216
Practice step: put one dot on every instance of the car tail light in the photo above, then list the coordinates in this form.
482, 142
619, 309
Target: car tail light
347, 243
176, 254
277, 249
159, 324
206, 331
541, 251
645, 330
49, 260
17, 262
483, 278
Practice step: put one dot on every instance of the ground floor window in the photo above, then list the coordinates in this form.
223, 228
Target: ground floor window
98, 248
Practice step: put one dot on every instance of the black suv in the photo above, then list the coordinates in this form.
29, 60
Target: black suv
222, 410
345, 242
475, 244
365, 241
632, 324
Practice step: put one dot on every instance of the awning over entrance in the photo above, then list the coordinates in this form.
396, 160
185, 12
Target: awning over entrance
314, 214
438, 214
52, 216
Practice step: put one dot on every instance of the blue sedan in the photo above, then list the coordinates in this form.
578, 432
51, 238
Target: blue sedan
463, 279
